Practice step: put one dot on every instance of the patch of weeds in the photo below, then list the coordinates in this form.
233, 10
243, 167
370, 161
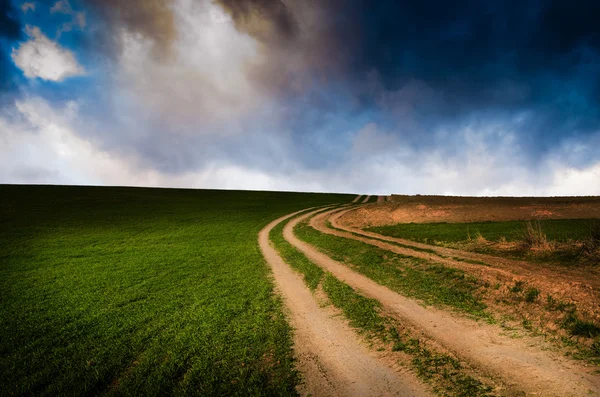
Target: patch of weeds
556, 305
518, 287
590, 249
527, 324
585, 328
362, 312
596, 347
440, 366
533, 237
532, 294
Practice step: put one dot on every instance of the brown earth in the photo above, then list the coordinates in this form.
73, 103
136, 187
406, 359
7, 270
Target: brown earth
424, 209
520, 363
578, 287
330, 357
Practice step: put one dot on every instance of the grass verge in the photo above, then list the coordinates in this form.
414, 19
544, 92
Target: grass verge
432, 283
561, 241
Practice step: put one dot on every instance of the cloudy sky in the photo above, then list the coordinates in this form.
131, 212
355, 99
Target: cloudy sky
430, 97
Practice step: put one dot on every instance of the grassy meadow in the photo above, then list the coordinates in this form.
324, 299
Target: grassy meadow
561, 230
560, 241
134, 291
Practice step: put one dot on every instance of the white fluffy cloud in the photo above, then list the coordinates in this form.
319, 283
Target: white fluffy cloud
203, 79
39, 144
44, 58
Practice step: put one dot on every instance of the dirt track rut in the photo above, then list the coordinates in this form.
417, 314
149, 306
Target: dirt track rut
518, 362
570, 284
331, 358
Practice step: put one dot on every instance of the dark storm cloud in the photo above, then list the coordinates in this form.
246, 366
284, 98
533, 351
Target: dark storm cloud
152, 19
533, 65
270, 21
10, 31
433, 62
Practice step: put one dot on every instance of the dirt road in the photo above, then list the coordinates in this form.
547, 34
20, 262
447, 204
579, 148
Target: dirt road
366, 199
565, 283
381, 199
520, 363
356, 198
330, 356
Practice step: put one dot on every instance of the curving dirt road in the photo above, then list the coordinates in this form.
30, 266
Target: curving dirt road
332, 360
565, 283
520, 363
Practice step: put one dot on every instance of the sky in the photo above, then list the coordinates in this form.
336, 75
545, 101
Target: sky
375, 97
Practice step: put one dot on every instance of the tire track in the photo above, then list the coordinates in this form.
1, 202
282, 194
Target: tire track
356, 198
366, 199
491, 259
330, 356
518, 362
560, 279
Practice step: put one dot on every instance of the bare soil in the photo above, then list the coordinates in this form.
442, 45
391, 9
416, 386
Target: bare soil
521, 363
331, 358
426, 209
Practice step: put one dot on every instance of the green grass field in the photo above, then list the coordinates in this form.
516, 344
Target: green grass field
130, 291
567, 241
561, 230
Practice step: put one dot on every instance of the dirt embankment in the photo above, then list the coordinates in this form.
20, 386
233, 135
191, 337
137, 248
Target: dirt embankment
425, 209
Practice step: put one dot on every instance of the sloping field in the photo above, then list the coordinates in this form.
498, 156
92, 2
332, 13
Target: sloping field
124, 291
130, 291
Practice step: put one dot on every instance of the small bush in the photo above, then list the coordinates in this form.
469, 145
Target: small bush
532, 294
